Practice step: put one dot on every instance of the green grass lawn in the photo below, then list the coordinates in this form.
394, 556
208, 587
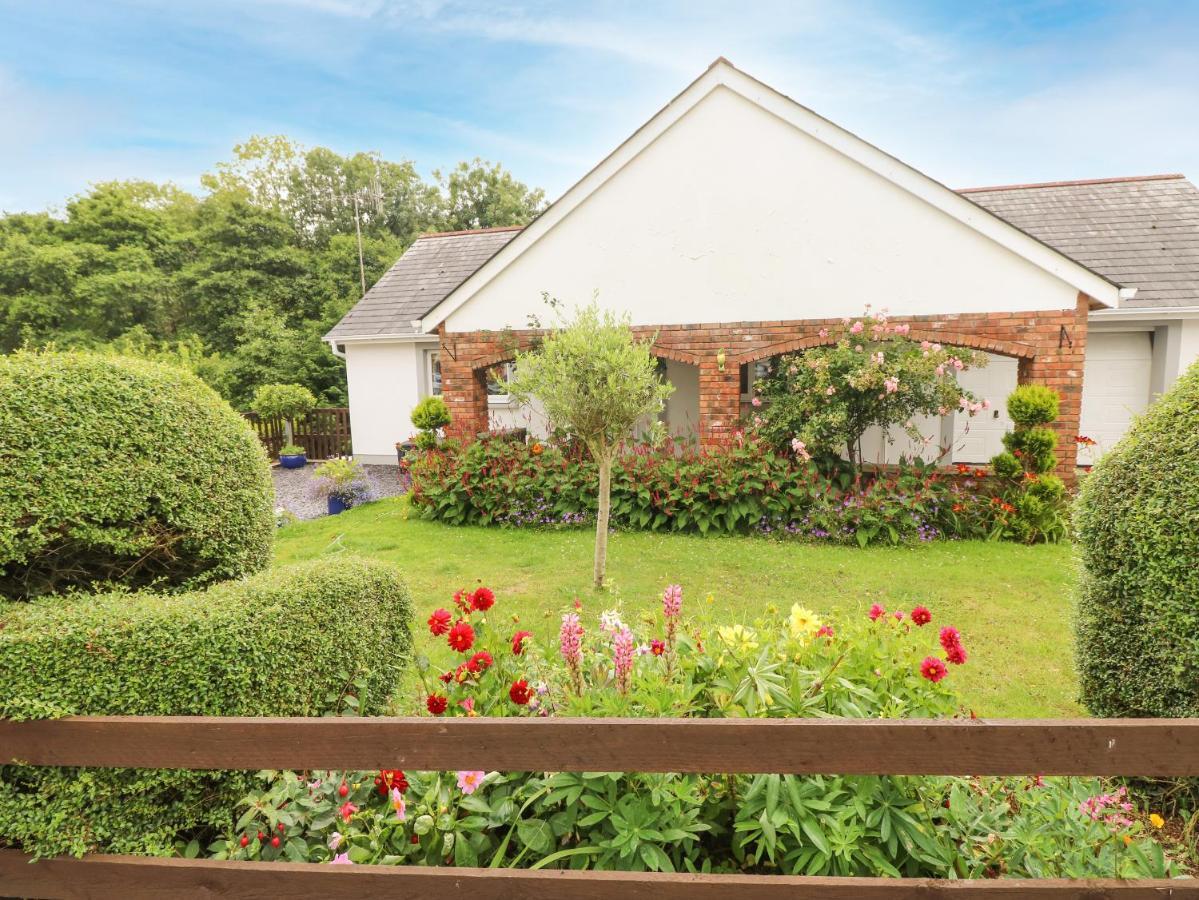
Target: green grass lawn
1013, 604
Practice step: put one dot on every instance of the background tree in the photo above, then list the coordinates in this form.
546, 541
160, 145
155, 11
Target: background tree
240, 284
872, 374
595, 380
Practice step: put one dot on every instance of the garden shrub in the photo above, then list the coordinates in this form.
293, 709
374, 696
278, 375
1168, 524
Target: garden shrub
429, 416
1137, 518
115, 470
888, 664
747, 487
1032, 500
285, 401
329, 636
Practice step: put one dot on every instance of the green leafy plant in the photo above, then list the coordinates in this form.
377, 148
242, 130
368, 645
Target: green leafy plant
291, 450
594, 379
122, 471
430, 415
285, 401
872, 373
747, 487
330, 636
343, 479
1034, 500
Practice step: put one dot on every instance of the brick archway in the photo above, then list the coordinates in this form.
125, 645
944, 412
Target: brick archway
1049, 344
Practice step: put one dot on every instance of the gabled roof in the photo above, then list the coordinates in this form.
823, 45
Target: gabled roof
429, 270
1140, 232
723, 74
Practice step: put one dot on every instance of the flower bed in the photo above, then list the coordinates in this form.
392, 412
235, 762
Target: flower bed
745, 488
789, 663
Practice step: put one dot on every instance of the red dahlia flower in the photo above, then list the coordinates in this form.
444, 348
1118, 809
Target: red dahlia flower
933, 669
388, 779
462, 637
436, 704
520, 692
825, 631
877, 611
480, 662
518, 641
657, 648
921, 615
950, 637
439, 622
956, 654
446, 677
482, 599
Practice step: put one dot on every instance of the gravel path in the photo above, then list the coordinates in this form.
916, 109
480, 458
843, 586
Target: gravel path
292, 494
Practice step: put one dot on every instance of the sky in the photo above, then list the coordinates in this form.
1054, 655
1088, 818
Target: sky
971, 92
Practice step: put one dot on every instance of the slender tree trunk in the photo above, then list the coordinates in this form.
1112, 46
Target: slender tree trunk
601, 519
287, 432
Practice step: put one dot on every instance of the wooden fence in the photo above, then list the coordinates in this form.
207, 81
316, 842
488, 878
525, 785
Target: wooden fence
1161, 747
323, 433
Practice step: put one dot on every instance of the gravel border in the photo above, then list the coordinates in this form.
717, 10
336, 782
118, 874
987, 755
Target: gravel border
292, 491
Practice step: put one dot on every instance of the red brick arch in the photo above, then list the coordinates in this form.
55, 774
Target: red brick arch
1014, 349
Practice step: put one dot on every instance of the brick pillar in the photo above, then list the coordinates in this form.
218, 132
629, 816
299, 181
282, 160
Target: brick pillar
464, 393
719, 400
1059, 365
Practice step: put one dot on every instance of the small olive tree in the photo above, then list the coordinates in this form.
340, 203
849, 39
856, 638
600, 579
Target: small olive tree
595, 380
288, 401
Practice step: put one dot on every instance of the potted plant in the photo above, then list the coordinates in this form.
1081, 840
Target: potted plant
342, 483
287, 402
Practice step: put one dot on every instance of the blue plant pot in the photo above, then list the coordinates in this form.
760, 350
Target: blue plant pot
296, 461
337, 505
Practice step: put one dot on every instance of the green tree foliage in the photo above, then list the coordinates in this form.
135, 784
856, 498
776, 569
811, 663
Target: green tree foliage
246, 278
288, 401
1138, 528
1036, 496
117, 470
595, 380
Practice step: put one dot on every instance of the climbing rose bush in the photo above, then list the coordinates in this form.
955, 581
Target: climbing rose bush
888, 661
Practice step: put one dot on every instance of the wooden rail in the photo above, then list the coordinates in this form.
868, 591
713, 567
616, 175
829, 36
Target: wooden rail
1162, 747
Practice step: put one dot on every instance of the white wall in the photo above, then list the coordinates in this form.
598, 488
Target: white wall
1188, 346
508, 415
385, 384
733, 214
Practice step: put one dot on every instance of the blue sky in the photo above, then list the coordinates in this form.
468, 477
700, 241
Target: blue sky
971, 92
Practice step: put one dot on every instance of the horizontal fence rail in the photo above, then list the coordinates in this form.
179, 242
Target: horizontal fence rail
1163, 747
324, 433
1148, 747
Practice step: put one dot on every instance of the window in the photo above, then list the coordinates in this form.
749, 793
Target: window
496, 378
750, 373
433, 372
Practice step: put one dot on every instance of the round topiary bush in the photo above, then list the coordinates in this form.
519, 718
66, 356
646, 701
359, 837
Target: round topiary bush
122, 471
1137, 517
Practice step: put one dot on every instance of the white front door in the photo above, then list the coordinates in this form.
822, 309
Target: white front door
976, 439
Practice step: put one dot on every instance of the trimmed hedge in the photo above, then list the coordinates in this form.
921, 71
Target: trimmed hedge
1138, 528
319, 637
123, 472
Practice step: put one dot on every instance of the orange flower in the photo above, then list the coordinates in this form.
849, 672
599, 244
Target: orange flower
537, 449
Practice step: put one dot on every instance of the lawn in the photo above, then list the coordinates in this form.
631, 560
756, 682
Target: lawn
1012, 603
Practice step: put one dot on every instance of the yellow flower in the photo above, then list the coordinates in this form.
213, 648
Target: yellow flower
803, 622
738, 638
1127, 840
711, 598
1156, 821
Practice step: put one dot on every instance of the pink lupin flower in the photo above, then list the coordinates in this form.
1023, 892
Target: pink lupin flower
672, 601
623, 647
398, 804
570, 645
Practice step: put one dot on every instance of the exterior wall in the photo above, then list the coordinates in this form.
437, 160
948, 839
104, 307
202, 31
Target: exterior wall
1049, 345
734, 215
384, 382
1188, 345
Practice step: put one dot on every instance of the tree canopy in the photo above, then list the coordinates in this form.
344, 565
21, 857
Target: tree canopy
239, 284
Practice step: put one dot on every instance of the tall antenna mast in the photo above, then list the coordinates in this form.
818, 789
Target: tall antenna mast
372, 193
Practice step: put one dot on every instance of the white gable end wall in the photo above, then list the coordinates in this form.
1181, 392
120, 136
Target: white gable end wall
734, 214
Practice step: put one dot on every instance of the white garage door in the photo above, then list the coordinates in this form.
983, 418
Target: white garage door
1115, 387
